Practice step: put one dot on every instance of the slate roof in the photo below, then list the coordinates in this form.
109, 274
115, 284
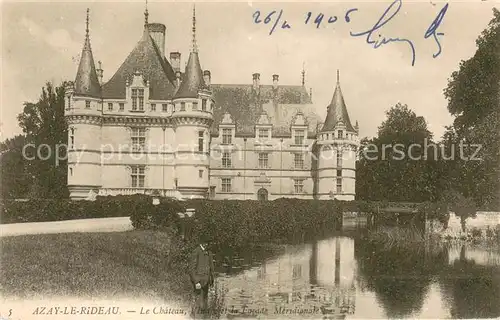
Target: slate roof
155, 68
337, 111
86, 81
246, 105
192, 80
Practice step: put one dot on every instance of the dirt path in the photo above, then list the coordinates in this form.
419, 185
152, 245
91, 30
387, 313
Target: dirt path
81, 225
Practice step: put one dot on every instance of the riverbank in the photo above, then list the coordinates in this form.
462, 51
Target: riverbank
396, 236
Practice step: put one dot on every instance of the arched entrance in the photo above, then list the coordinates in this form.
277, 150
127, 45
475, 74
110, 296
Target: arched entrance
262, 194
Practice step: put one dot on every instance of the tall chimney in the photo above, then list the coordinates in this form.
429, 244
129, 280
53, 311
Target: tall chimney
256, 80
177, 78
207, 77
275, 81
175, 61
157, 32
99, 72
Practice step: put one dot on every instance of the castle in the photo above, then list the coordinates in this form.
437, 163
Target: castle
156, 129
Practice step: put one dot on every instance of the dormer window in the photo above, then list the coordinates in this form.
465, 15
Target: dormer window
203, 104
227, 135
263, 134
137, 99
299, 137
87, 104
341, 134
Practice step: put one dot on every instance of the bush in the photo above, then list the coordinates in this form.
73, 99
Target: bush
237, 223
139, 207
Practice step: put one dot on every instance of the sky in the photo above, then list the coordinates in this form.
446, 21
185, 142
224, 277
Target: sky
42, 41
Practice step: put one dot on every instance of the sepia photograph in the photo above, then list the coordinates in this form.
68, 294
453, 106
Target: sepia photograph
250, 160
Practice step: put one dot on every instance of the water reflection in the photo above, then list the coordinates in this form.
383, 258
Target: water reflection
354, 278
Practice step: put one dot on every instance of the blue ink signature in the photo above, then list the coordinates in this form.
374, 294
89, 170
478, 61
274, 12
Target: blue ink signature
380, 23
433, 28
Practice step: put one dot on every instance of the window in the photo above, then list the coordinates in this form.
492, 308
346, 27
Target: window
134, 99
164, 107
339, 158
122, 106
297, 271
299, 137
72, 138
227, 135
69, 103
263, 134
71, 171
200, 141
153, 107
299, 160
110, 106
141, 99
195, 105
341, 134
138, 176
203, 104
226, 184
138, 138
87, 104
298, 185
183, 106
339, 173
226, 160
137, 99
263, 160
200, 173
339, 185
261, 272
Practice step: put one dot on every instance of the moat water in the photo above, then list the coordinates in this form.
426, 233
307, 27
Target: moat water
346, 276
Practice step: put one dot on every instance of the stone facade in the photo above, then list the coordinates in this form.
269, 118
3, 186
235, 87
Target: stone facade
154, 129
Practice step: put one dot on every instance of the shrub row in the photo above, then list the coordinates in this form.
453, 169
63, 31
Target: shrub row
146, 215
40, 210
235, 223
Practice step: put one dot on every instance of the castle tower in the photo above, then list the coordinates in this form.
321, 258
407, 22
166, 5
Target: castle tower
337, 144
83, 111
193, 116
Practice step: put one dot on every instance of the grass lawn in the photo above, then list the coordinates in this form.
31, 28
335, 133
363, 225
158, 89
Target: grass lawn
138, 264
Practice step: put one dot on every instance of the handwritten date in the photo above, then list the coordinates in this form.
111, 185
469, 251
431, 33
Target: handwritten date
372, 36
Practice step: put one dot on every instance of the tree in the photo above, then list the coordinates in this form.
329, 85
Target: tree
473, 94
15, 180
43, 123
395, 170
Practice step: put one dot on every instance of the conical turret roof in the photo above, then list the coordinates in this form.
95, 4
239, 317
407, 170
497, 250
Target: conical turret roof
86, 81
192, 81
337, 111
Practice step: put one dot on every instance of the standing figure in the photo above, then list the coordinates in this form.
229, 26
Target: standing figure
201, 272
